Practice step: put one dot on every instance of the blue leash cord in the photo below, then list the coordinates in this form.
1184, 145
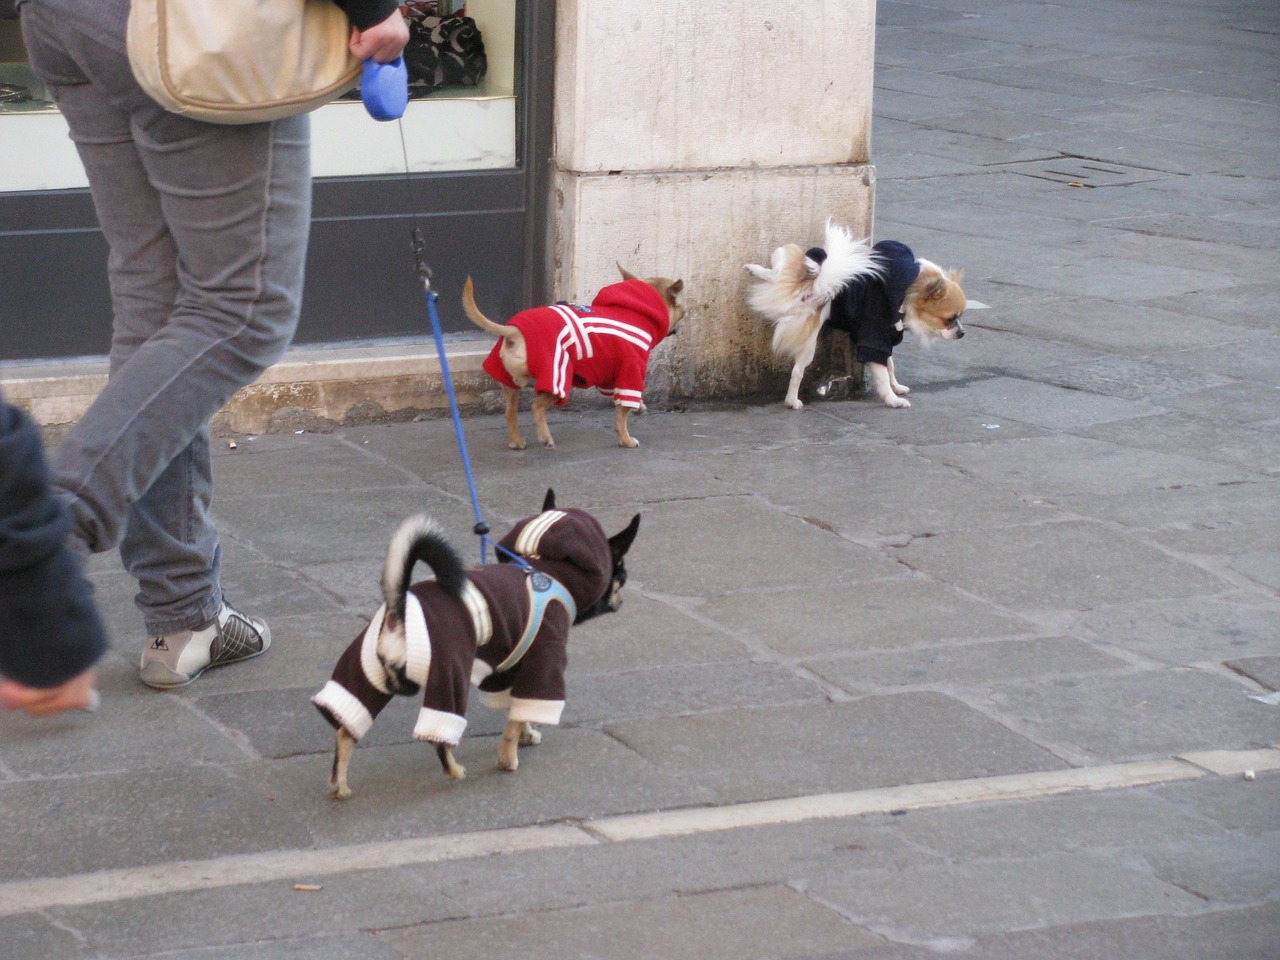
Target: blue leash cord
481, 529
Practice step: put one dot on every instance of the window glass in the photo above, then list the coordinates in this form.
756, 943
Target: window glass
462, 115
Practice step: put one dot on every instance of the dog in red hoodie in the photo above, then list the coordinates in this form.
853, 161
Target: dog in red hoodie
606, 345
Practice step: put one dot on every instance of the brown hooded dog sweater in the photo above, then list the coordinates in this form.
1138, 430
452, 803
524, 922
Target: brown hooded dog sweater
454, 644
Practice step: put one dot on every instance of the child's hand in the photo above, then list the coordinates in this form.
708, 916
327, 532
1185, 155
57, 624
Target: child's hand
383, 41
79, 693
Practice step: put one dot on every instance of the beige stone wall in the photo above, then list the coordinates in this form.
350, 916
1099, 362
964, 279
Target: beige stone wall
693, 138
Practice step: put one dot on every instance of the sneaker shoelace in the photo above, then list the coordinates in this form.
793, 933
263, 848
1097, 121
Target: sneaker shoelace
235, 640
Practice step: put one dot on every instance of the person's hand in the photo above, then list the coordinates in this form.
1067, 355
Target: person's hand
79, 693
383, 41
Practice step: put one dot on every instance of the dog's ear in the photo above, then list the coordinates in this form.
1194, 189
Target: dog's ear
936, 290
955, 275
676, 288
621, 542
549, 501
626, 274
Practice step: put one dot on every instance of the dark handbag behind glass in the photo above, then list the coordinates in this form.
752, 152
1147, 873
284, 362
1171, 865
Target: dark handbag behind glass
443, 51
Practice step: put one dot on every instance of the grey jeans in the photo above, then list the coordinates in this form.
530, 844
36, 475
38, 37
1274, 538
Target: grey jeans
207, 228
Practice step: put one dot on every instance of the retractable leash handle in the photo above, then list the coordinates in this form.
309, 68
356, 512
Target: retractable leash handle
384, 88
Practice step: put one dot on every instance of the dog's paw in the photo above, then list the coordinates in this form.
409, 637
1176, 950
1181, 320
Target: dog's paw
796, 404
457, 772
516, 444
901, 389
897, 403
509, 762
549, 443
629, 442
530, 737
339, 793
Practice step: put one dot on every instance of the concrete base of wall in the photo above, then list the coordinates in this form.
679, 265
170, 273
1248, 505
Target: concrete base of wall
310, 388
321, 388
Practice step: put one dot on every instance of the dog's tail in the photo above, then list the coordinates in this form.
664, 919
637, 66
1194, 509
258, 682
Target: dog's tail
846, 260
478, 318
418, 538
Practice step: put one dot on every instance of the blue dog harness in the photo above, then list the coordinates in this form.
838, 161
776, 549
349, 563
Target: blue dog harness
543, 590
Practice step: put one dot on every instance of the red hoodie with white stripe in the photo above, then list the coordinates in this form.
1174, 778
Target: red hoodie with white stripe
605, 345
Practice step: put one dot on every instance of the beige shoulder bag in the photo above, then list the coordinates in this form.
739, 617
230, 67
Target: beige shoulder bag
241, 61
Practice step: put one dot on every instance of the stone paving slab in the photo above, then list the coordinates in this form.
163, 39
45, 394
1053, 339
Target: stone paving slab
891, 491
882, 614
1063, 566
676, 690
144, 816
971, 666
1255, 446
1141, 715
762, 923
1100, 469
647, 632
939, 905
1049, 406
1186, 631
875, 741
1247, 934
741, 540
1236, 869
1264, 670
399, 790
129, 733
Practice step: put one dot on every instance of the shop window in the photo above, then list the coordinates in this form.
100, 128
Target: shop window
468, 123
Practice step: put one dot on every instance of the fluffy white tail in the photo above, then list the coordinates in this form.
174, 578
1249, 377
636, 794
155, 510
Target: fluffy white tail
847, 259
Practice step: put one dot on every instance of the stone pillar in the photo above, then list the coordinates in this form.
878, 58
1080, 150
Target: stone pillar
692, 138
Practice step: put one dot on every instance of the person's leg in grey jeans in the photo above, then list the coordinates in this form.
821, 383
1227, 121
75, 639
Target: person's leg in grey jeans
207, 227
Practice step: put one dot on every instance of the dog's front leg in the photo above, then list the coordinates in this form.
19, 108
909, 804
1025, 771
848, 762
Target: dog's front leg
620, 416
894, 385
344, 743
515, 733
882, 383
451, 766
541, 404
514, 439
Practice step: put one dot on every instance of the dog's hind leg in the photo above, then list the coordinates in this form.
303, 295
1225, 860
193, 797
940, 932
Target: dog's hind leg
516, 734
509, 748
514, 440
620, 416
541, 404
803, 359
451, 766
344, 743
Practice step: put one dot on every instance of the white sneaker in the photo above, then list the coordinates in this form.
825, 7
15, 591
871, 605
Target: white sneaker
175, 659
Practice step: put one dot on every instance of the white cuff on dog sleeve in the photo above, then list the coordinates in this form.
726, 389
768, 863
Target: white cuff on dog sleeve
343, 706
439, 727
535, 711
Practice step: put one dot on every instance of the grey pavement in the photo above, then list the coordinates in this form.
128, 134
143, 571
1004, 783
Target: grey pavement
1062, 562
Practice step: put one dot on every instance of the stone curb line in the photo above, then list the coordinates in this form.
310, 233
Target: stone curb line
305, 866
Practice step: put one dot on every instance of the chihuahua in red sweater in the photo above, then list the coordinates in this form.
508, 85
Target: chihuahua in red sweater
605, 345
